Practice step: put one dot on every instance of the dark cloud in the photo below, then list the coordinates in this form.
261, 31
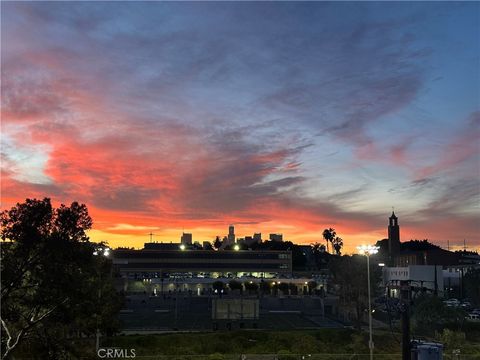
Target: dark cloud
129, 199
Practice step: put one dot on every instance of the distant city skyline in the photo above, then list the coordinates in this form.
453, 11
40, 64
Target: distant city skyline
283, 117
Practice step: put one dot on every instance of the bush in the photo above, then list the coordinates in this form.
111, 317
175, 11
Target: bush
286, 355
218, 285
235, 285
430, 314
250, 286
451, 339
284, 288
216, 356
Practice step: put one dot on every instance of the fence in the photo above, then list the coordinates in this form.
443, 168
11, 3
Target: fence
288, 356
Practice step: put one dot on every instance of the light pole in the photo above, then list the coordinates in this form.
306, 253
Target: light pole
105, 251
369, 250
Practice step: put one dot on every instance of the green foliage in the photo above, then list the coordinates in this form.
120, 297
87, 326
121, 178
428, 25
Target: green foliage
451, 339
235, 285
285, 355
250, 286
429, 313
287, 343
216, 356
349, 277
471, 281
218, 285
51, 279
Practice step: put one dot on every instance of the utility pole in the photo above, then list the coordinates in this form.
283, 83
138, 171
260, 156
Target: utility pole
369, 250
405, 299
370, 341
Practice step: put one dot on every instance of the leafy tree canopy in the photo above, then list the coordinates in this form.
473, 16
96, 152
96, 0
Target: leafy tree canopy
349, 279
471, 282
52, 283
418, 245
430, 313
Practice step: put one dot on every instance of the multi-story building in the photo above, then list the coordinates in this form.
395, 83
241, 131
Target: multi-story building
146, 262
186, 239
231, 235
276, 237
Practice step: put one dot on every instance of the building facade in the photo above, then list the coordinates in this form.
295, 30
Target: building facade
152, 262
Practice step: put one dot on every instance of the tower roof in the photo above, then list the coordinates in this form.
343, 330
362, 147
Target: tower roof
393, 215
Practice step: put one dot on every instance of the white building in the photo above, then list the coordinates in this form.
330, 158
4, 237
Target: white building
420, 277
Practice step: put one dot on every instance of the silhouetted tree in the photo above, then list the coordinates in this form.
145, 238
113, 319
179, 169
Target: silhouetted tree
429, 313
51, 279
250, 286
418, 245
284, 287
329, 235
217, 243
265, 287
293, 288
382, 246
349, 278
471, 281
320, 255
235, 285
318, 248
207, 246
312, 285
337, 244
218, 285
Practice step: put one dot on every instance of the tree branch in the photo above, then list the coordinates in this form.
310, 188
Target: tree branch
31, 322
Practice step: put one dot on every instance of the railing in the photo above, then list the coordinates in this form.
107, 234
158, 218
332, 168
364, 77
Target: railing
287, 356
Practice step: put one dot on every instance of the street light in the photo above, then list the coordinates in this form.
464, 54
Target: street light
236, 247
369, 250
105, 251
182, 247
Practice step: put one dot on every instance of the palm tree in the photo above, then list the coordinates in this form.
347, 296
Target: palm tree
329, 235
337, 245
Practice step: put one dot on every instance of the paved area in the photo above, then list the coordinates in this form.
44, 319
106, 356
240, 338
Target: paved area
194, 313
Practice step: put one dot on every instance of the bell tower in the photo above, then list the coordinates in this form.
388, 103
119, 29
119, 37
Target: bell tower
393, 237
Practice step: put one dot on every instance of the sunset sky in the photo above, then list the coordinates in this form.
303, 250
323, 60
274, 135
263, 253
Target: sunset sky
275, 117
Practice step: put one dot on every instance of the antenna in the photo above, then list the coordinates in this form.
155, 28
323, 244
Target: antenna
151, 236
464, 245
448, 245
